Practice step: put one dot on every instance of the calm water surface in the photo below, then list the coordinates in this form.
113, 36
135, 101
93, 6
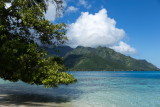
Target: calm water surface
93, 89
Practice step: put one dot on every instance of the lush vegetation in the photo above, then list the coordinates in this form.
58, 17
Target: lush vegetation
22, 27
102, 59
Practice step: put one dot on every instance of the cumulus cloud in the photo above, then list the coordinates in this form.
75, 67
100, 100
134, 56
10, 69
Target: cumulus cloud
71, 9
85, 4
124, 48
93, 30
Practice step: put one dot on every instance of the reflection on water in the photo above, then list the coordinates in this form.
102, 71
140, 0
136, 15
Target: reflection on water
93, 89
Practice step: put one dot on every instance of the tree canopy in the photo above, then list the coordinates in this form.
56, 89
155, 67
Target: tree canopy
22, 27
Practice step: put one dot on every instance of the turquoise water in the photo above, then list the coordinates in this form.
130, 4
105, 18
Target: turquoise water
93, 89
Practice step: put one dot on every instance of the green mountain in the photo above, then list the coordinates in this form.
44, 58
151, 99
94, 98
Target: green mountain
100, 59
59, 51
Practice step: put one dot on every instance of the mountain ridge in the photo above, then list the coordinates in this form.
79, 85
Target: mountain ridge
100, 59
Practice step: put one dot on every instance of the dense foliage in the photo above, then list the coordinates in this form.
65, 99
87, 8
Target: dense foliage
102, 59
22, 27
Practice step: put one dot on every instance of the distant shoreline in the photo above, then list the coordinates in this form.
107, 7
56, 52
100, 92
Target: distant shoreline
111, 71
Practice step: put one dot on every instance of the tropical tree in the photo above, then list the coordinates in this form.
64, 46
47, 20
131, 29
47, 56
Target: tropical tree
23, 28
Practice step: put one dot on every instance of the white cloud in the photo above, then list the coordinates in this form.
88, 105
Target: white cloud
93, 30
71, 9
85, 4
51, 11
8, 5
50, 14
124, 48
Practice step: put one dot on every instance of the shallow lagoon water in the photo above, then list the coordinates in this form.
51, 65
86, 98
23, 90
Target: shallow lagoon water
93, 89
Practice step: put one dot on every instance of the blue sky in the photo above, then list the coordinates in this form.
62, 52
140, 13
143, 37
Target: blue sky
140, 20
